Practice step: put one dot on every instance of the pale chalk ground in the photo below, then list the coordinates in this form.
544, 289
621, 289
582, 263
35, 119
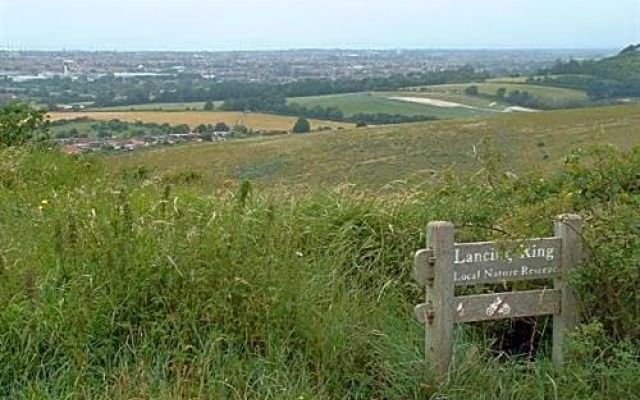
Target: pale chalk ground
450, 104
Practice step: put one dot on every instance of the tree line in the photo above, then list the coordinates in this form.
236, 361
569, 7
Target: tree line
62, 129
279, 105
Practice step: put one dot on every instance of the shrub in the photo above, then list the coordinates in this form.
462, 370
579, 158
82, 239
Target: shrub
301, 126
21, 124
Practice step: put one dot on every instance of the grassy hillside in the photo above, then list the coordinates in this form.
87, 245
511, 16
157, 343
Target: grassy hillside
376, 156
255, 121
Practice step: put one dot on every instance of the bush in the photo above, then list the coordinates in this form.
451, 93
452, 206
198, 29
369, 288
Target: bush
301, 126
471, 90
21, 124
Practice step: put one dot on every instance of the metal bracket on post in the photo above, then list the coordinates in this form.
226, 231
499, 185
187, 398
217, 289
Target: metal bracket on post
423, 265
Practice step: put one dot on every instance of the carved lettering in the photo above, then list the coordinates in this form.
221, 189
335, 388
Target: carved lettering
491, 254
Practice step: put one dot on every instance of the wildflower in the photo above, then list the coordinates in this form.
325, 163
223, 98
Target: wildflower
43, 203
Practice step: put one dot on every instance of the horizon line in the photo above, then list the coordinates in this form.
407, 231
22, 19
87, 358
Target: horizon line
6, 48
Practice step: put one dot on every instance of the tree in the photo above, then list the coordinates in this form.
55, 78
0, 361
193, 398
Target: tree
104, 133
209, 106
21, 124
202, 128
471, 90
301, 126
240, 129
221, 127
501, 92
181, 129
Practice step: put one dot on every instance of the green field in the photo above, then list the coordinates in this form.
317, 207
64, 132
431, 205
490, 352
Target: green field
484, 103
376, 102
375, 156
382, 102
555, 97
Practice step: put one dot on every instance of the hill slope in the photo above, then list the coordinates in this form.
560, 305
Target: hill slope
374, 157
617, 76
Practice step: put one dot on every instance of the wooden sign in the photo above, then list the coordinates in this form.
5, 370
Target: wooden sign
444, 264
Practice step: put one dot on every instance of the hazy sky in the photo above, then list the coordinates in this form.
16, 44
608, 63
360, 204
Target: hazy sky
282, 24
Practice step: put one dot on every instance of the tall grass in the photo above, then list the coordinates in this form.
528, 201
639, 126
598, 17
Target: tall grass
126, 287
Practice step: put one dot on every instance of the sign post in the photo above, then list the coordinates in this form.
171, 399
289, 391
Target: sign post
444, 264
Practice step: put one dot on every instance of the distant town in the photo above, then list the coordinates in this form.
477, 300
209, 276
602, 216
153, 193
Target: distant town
88, 145
273, 66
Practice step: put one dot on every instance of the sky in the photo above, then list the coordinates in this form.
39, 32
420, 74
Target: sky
287, 24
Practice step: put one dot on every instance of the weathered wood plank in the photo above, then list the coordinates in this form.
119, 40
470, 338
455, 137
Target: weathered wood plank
469, 275
493, 306
567, 228
439, 294
539, 252
488, 262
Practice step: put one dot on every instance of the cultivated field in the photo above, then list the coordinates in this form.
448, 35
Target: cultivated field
376, 156
508, 79
455, 97
553, 96
380, 102
193, 118
192, 106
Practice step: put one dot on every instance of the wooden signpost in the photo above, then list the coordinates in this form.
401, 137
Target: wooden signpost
444, 264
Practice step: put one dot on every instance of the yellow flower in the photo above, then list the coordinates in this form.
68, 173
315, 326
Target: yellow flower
44, 202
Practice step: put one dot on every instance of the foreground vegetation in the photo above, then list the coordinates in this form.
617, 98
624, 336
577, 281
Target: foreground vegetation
119, 283
121, 286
